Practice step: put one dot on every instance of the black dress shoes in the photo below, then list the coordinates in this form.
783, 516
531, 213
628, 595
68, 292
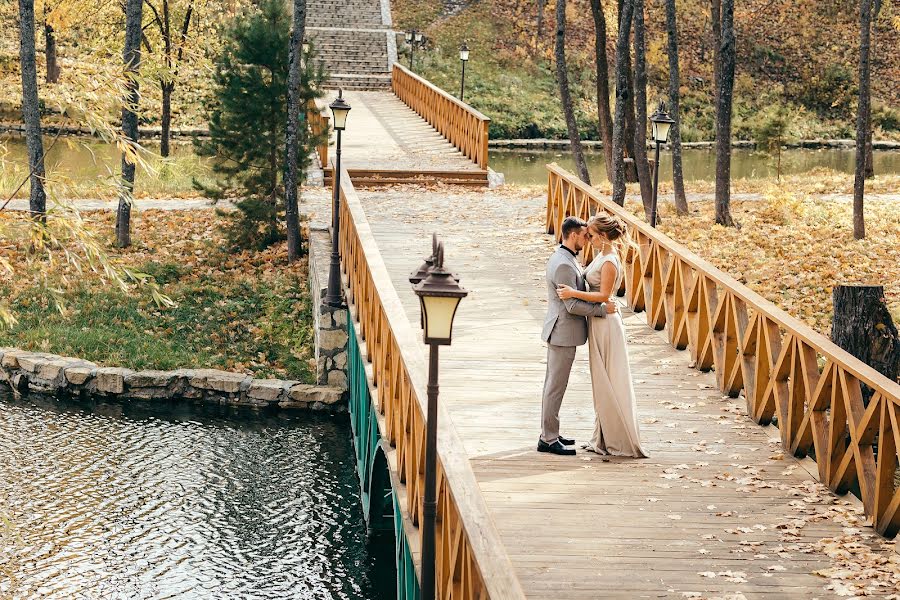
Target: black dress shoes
566, 441
555, 448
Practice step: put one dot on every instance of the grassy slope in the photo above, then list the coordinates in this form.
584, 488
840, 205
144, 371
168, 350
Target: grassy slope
511, 79
247, 312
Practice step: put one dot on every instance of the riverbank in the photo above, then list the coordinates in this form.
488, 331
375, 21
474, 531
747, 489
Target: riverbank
564, 144
186, 134
248, 313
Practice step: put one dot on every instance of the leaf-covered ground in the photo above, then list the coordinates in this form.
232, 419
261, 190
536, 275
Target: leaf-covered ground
794, 248
247, 312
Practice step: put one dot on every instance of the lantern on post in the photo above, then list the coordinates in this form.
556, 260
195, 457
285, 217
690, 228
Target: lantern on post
339, 109
463, 58
661, 123
439, 296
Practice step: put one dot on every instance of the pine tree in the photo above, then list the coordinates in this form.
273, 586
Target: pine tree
248, 119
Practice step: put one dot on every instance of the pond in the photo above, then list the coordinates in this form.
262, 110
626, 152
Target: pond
526, 167
82, 159
131, 501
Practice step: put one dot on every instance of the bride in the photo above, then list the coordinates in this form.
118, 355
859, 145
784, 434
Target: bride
615, 426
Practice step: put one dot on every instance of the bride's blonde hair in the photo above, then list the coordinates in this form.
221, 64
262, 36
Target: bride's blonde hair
612, 228
607, 225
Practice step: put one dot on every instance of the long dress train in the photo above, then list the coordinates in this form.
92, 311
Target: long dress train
616, 429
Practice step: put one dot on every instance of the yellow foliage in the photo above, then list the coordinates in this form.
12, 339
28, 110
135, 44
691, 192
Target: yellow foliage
794, 249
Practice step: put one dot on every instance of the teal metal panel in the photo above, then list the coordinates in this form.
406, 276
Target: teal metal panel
380, 506
407, 582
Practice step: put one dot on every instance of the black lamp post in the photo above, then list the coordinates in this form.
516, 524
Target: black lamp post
439, 294
661, 124
410, 36
340, 109
464, 58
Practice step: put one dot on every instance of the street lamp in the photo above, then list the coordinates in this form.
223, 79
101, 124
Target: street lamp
340, 109
410, 36
439, 295
304, 53
464, 58
661, 124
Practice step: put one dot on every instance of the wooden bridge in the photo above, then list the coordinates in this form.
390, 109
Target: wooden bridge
728, 505
416, 134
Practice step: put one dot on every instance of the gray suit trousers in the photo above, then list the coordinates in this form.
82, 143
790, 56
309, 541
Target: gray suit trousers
559, 365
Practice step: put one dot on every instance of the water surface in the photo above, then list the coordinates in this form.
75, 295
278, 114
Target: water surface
131, 502
526, 167
86, 159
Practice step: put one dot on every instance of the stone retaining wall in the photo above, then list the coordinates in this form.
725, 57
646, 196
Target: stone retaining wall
48, 373
330, 322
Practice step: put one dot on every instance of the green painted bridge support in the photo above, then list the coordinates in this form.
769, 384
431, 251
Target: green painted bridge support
380, 506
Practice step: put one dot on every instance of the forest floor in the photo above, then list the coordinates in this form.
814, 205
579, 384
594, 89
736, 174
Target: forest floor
250, 312
247, 312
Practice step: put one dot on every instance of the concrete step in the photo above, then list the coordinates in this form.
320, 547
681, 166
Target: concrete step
379, 177
357, 82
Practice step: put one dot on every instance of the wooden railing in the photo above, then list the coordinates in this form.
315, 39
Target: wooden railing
462, 125
471, 562
785, 370
318, 119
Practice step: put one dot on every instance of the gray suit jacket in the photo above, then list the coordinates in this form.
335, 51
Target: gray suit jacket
565, 324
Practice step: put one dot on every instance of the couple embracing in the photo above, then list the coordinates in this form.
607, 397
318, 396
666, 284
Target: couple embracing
581, 310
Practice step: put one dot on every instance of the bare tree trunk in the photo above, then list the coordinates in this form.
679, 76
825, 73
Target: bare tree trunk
37, 202
132, 59
292, 134
565, 95
863, 327
172, 60
50, 53
862, 118
631, 173
716, 25
640, 100
681, 205
723, 117
604, 114
623, 91
166, 122
539, 25
870, 159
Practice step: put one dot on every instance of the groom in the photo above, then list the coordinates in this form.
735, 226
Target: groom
565, 328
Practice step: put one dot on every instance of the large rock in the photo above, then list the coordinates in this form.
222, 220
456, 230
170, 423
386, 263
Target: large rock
337, 379
332, 339
32, 361
219, 381
269, 389
52, 371
11, 358
308, 394
150, 379
79, 374
111, 380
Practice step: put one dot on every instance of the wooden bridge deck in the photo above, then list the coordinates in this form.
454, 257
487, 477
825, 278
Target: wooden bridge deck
385, 134
718, 510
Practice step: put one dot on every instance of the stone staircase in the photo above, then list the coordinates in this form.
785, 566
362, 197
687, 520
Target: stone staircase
354, 41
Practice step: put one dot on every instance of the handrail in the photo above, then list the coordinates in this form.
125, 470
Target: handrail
784, 368
318, 119
462, 125
470, 560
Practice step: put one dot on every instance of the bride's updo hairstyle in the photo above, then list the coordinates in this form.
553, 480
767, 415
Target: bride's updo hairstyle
607, 225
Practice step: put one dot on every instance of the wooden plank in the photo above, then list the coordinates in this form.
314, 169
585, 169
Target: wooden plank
581, 528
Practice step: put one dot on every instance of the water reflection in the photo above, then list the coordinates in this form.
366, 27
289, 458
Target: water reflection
84, 159
120, 501
527, 167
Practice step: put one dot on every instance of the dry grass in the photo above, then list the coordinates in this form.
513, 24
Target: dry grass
793, 248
